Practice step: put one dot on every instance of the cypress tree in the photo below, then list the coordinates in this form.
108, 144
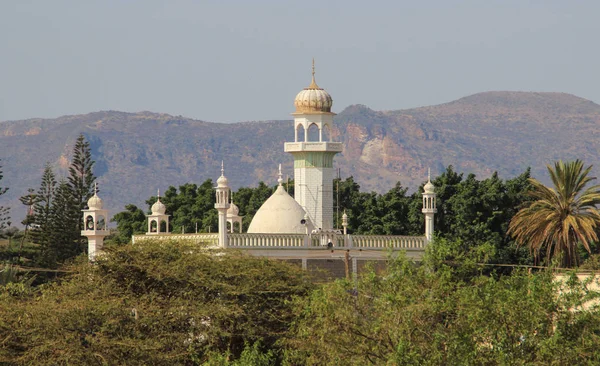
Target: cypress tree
81, 184
4, 211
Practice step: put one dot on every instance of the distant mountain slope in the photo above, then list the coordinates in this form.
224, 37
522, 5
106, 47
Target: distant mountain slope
136, 153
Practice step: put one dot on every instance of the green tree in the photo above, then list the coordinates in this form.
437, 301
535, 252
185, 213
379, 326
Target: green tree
81, 182
561, 217
160, 303
4, 211
413, 315
29, 200
65, 236
42, 211
129, 222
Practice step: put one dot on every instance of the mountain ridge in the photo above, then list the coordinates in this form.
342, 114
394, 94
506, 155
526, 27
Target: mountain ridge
136, 153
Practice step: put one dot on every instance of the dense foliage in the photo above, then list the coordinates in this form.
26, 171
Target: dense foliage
412, 315
153, 304
177, 304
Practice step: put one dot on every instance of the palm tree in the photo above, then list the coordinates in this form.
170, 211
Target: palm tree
561, 217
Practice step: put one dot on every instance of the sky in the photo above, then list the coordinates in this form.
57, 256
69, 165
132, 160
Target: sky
230, 61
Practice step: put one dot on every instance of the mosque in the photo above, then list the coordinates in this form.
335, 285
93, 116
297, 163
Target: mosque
299, 229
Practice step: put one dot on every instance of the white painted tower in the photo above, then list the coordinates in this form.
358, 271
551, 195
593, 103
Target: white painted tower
158, 220
429, 206
222, 205
95, 224
313, 160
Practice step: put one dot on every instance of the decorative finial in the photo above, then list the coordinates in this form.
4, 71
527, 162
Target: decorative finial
429, 174
222, 169
313, 83
280, 176
95, 188
158, 193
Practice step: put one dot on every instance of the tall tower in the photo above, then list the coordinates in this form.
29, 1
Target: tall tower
222, 205
95, 224
429, 206
313, 156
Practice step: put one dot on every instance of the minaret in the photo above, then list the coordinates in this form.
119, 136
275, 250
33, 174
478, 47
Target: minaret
222, 205
157, 217
95, 224
313, 160
429, 206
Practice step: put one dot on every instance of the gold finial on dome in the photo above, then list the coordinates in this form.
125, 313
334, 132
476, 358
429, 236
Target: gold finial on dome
313, 84
313, 99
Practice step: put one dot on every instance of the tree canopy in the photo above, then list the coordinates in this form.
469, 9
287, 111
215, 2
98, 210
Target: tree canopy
560, 218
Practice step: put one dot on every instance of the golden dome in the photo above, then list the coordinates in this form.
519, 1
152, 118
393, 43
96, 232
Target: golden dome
313, 98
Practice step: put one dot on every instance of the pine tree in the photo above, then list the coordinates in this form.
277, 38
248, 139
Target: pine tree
42, 214
4, 211
81, 184
65, 234
28, 200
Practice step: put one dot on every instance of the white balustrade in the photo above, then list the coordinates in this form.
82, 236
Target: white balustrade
210, 239
246, 240
388, 241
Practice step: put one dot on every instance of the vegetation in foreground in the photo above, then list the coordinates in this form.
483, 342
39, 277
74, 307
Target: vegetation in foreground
175, 304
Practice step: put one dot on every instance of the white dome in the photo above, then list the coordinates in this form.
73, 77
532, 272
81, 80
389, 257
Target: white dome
158, 208
95, 202
429, 187
222, 181
233, 210
280, 214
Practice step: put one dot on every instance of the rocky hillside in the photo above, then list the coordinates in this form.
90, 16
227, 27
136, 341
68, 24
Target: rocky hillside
136, 153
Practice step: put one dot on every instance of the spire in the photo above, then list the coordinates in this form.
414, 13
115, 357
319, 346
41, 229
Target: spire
280, 176
313, 83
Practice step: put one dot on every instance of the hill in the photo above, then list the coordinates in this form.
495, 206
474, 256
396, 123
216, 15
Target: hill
136, 153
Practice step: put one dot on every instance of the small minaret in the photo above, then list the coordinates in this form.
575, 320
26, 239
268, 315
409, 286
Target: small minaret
95, 224
222, 205
157, 217
429, 206
345, 222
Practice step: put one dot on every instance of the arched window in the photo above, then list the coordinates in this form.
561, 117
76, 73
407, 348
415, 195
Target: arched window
313, 133
326, 133
153, 226
300, 132
89, 223
100, 223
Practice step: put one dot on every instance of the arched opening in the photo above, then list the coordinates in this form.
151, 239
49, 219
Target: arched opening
100, 223
237, 227
153, 226
326, 133
163, 226
89, 223
313, 133
300, 133
229, 227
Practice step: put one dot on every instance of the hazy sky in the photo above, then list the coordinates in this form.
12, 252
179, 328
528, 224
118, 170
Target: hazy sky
229, 61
